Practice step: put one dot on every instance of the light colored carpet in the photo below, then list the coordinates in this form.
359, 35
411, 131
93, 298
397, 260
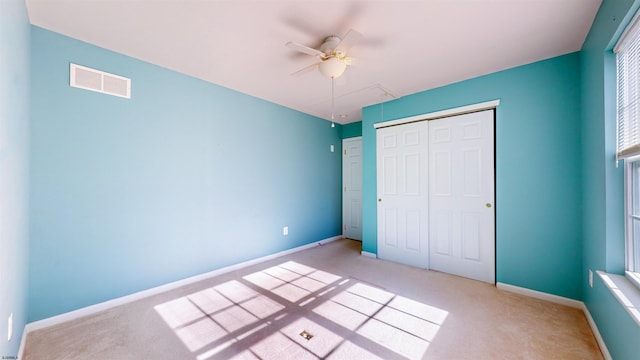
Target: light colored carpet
355, 308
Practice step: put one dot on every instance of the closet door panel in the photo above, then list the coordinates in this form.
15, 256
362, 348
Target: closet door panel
461, 190
402, 161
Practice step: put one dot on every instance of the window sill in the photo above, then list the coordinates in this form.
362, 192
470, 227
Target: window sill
624, 289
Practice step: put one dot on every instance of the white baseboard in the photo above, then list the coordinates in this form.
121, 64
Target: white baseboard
72, 315
92, 309
563, 301
603, 346
541, 295
22, 341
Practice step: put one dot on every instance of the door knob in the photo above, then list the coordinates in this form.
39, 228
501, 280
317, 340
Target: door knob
488, 205
379, 200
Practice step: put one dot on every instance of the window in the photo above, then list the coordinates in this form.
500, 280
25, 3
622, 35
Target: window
628, 135
632, 211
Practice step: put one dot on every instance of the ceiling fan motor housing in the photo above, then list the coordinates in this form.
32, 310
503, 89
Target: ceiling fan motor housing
329, 44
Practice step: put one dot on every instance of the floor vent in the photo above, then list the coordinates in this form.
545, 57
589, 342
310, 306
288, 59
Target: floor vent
307, 335
95, 80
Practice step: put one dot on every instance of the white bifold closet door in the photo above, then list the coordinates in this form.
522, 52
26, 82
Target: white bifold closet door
403, 201
446, 221
461, 196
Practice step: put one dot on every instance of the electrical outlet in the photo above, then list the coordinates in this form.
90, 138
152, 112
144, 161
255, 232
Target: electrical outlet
10, 327
590, 278
332, 148
285, 231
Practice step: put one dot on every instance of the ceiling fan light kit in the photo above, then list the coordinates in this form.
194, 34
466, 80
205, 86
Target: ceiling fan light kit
332, 67
332, 59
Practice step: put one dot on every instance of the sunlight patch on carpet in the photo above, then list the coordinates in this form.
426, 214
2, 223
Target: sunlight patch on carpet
263, 315
207, 316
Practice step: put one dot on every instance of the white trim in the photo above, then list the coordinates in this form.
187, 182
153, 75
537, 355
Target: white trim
145, 293
624, 291
596, 333
22, 342
628, 201
92, 309
541, 295
633, 277
440, 114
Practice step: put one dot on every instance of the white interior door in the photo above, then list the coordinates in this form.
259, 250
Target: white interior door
402, 162
352, 188
461, 195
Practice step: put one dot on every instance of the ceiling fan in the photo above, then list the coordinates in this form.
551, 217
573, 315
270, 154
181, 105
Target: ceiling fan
332, 54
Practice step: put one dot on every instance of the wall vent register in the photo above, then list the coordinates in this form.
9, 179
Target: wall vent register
95, 80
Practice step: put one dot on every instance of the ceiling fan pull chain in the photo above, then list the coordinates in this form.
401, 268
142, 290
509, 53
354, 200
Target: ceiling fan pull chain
332, 102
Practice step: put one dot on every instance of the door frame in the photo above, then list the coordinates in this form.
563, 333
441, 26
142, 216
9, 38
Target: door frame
488, 105
344, 203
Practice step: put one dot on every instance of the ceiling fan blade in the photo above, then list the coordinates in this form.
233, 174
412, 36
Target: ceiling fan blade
304, 49
305, 70
300, 23
350, 39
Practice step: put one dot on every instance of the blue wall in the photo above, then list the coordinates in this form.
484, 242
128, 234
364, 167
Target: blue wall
352, 130
184, 178
14, 147
603, 188
538, 168
187, 176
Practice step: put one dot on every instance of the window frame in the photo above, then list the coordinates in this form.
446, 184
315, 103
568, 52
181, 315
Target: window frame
632, 238
628, 140
627, 51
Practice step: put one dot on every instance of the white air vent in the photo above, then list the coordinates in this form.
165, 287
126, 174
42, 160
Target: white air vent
95, 80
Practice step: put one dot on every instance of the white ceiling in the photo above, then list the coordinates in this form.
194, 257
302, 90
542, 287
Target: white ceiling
409, 46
